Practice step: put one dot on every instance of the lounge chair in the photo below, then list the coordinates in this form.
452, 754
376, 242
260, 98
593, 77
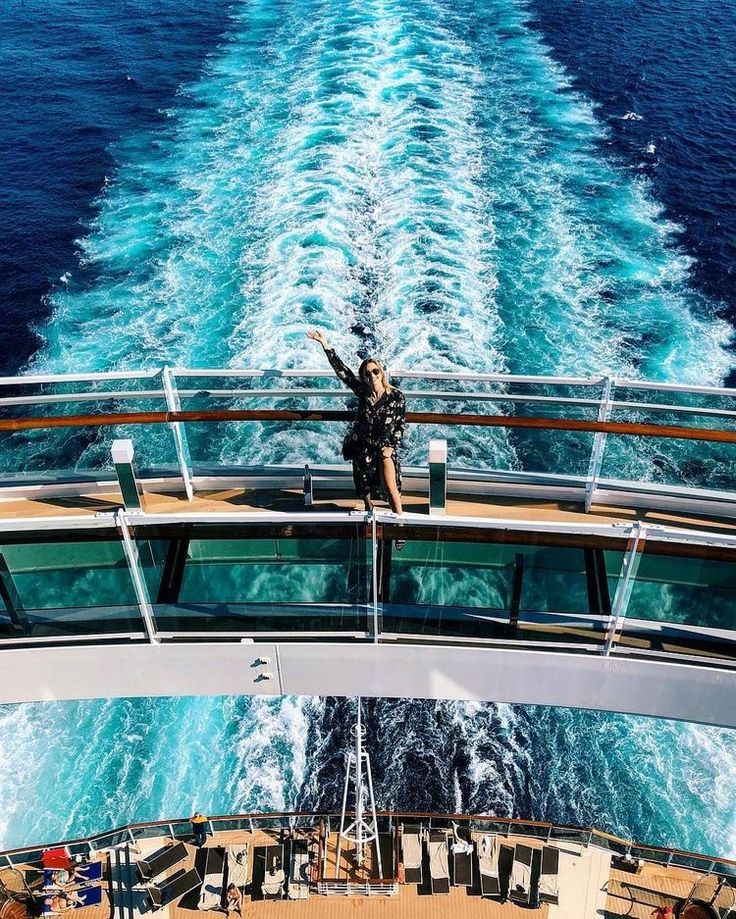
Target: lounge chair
439, 867
488, 851
299, 874
549, 888
88, 872
411, 853
521, 875
182, 883
237, 866
214, 868
275, 877
83, 897
161, 860
462, 859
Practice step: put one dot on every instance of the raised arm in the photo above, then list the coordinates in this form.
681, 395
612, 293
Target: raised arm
342, 372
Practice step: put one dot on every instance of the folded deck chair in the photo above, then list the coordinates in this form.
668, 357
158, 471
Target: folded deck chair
237, 866
488, 851
182, 883
462, 859
299, 874
85, 896
88, 872
439, 866
549, 888
411, 853
521, 874
210, 896
161, 860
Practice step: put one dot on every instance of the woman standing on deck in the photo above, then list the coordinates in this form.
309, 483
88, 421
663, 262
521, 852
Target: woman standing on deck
373, 442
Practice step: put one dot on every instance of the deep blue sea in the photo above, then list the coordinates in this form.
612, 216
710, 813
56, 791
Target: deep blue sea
534, 187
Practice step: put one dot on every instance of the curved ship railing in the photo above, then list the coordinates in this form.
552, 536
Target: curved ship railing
180, 828
78, 570
597, 439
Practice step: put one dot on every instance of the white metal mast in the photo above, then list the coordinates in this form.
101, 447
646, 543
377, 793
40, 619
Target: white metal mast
360, 831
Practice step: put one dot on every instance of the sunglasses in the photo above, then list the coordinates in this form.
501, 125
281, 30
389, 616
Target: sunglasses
375, 372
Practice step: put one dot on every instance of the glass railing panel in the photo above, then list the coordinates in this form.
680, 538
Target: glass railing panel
497, 585
151, 832
63, 586
266, 618
226, 578
693, 586
110, 840
667, 461
501, 827
684, 601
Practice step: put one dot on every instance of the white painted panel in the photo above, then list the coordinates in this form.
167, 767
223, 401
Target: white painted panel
662, 689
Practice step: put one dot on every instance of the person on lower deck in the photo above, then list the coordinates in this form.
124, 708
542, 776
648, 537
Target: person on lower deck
377, 431
199, 829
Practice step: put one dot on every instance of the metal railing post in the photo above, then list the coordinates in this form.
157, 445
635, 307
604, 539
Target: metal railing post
437, 477
130, 488
173, 404
136, 576
599, 443
626, 578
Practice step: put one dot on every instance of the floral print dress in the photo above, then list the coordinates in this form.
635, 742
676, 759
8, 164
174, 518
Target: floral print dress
377, 425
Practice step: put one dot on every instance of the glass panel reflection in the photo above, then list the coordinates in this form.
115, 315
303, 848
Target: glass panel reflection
267, 579
690, 597
497, 585
65, 587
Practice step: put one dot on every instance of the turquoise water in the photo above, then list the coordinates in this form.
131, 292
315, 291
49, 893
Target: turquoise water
420, 179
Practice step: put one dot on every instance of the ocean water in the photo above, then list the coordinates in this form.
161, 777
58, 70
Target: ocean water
455, 185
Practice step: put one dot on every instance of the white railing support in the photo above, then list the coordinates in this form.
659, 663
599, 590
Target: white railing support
136, 576
627, 576
130, 487
437, 477
599, 443
173, 404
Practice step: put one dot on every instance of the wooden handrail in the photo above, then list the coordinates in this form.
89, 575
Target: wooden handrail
713, 435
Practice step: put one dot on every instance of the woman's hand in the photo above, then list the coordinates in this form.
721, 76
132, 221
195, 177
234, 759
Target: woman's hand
387, 452
316, 335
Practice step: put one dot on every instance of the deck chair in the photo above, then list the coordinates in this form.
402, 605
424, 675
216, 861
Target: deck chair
237, 866
182, 883
275, 877
521, 875
488, 851
439, 866
84, 896
210, 896
411, 853
89, 872
160, 861
299, 873
549, 888
462, 859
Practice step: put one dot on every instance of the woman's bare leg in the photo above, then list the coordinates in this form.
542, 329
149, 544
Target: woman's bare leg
388, 471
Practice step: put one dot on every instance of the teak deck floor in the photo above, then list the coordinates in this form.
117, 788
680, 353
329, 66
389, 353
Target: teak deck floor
43, 503
584, 894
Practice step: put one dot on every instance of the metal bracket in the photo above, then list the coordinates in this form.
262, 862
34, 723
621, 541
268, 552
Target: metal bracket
626, 579
173, 404
599, 442
136, 576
